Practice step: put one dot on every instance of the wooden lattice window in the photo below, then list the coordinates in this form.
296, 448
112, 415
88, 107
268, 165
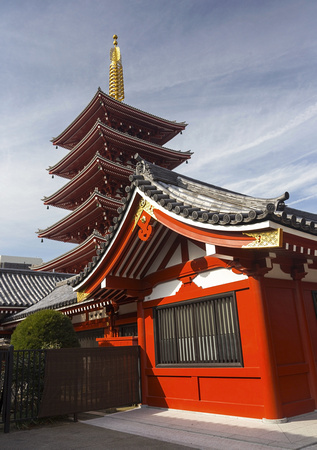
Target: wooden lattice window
130, 329
200, 332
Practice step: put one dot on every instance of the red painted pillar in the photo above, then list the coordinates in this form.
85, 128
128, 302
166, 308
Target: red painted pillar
142, 345
272, 402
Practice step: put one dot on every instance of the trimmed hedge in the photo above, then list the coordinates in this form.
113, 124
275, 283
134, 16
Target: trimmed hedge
43, 330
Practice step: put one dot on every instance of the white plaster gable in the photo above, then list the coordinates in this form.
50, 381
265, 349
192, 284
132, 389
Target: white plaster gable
217, 277
210, 278
78, 318
277, 273
161, 254
311, 274
128, 308
164, 290
176, 258
195, 251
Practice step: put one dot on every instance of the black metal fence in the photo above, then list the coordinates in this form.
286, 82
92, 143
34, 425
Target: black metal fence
27, 383
46, 383
22, 384
6, 364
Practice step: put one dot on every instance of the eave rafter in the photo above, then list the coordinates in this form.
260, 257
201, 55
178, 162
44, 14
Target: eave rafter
116, 146
107, 177
77, 258
94, 214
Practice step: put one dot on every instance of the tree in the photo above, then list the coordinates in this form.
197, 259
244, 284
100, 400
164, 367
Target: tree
43, 330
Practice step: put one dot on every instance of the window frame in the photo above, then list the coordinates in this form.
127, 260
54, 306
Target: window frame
197, 336
124, 330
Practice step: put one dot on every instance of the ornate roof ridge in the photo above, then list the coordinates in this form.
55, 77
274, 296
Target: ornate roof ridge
297, 219
175, 184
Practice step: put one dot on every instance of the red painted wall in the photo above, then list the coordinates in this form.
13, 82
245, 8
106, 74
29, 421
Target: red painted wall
294, 328
243, 391
233, 390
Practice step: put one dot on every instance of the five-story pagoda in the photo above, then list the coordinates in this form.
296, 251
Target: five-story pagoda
101, 143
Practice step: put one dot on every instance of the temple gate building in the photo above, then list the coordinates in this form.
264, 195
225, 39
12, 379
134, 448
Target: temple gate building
218, 289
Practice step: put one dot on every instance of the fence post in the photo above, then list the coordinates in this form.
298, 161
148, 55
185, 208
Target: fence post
7, 390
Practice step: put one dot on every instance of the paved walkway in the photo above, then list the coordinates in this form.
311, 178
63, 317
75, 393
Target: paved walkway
210, 431
162, 429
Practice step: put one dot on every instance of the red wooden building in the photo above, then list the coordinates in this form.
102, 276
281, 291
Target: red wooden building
223, 289
218, 289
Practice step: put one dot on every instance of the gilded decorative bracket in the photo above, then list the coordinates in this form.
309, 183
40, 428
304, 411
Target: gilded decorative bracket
142, 219
146, 206
265, 239
81, 296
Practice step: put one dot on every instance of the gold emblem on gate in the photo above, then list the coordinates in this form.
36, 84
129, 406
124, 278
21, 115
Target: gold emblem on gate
265, 239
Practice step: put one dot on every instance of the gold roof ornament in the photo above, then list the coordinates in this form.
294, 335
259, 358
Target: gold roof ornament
116, 88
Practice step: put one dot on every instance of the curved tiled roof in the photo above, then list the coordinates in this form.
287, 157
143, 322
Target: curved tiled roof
204, 203
24, 288
201, 201
62, 295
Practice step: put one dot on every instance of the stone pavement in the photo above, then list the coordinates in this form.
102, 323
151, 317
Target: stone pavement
154, 428
79, 436
211, 431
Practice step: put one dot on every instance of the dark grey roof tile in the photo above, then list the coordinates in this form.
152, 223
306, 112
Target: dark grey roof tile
61, 295
26, 287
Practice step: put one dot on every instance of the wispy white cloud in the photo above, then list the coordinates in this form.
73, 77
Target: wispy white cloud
269, 135
242, 74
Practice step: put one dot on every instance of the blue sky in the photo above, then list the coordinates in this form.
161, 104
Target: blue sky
242, 74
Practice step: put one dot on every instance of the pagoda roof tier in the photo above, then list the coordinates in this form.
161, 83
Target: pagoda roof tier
121, 116
96, 213
116, 146
107, 176
77, 258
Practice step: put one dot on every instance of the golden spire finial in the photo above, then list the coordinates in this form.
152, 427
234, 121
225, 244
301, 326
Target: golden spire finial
116, 88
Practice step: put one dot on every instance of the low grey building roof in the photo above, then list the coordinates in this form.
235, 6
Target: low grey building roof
24, 288
62, 295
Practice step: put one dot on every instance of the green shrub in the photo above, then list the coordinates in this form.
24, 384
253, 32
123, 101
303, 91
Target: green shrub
43, 330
